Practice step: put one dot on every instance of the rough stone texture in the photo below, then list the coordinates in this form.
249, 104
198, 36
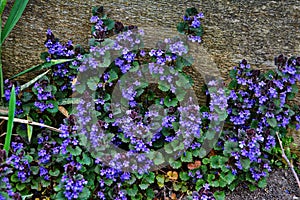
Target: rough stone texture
255, 30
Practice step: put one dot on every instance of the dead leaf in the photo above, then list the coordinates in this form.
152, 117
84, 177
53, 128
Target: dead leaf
173, 196
74, 81
194, 165
63, 111
172, 175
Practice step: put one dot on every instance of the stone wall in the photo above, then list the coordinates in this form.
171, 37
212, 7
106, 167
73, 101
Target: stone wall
255, 30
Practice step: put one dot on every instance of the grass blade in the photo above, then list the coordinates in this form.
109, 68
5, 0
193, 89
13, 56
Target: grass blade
10, 122
1, 70
2, 6
26, 85
29, 129
42, 66
14, 16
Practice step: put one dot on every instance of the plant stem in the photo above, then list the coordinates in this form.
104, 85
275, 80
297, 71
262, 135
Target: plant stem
287, 160
24, 121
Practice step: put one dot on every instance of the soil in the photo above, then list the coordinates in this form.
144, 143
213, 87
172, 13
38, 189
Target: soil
282, 185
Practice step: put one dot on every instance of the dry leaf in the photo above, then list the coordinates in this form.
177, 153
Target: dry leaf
173, 196
74, 81
194, 165
63, 111
172, 175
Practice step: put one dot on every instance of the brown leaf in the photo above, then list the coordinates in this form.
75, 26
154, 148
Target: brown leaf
194, 165
63, 111
172, 175
173, 196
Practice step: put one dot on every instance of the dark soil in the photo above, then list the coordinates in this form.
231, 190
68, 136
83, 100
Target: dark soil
282, 185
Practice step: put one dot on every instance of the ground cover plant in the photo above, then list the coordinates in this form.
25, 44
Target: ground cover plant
120, 136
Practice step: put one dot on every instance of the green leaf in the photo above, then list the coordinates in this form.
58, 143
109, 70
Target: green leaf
93, 83
233, 73
42, 66
219, 195
26, 85
168, 148
233, 185
150, 177
230, 147
160, 180
10, 122
187, 157
252, 187
158, 159
176, 186
26, 97
176, 164
85, 159
85, 194
150, 194
214, 162
14, 16
170, 102
54, 173
80, 88
245, 163
199, 184
232, 84
144, 186
68, 101
254, 124
191, 11
217, 161
229, 178
55, 106
272, 122
20, 186
131, 180
109, 23
205, 161
112, 75
14, 178
184, 176
182, 26
75, 152
34, 170
163, 86
294, 89
132, 191
262, 183
24, 197
215, 183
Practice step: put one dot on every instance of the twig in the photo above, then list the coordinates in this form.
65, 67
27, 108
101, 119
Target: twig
24, 121
287, 160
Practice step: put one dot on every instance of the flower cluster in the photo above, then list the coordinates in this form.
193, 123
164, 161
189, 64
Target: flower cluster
192, 25
204, 193
44, 92
8, 84
64, 73
72, 181
19, 161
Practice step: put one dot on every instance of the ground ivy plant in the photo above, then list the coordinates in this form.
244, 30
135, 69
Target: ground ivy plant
156, 121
